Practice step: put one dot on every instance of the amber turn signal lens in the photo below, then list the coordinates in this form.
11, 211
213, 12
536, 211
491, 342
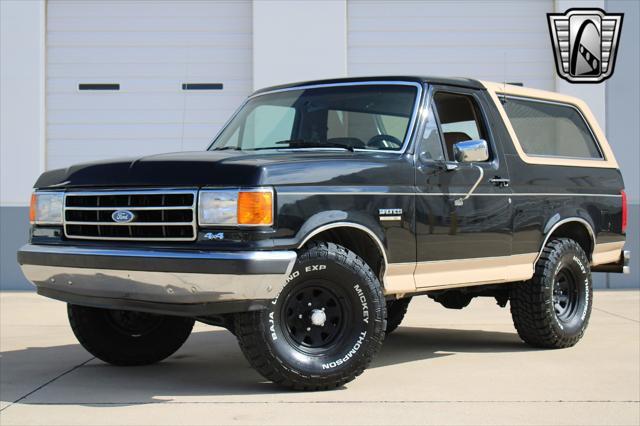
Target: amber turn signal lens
255, 208
32, 208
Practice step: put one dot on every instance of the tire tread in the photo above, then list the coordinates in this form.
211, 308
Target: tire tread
531, 309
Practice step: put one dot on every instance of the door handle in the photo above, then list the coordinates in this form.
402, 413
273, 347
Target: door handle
501, 182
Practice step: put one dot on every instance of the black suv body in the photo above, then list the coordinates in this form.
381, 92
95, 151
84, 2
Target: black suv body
321, 208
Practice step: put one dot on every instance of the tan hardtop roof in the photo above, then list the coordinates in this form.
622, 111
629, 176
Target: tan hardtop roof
496, 89
511, 89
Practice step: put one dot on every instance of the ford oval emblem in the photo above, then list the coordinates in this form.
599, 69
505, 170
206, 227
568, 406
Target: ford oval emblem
123, 216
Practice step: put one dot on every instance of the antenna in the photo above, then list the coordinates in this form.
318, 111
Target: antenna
504, 70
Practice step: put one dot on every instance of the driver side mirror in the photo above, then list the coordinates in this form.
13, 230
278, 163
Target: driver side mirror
471, 151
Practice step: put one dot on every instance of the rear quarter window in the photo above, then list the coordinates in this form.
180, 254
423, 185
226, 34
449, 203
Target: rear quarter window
551, 129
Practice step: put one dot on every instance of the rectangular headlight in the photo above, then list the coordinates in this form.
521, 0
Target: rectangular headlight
218, 207
46, 208
247, 207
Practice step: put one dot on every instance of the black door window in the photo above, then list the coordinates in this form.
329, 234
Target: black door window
460, 119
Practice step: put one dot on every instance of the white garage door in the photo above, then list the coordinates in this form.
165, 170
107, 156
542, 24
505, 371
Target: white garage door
490, 40
150, 49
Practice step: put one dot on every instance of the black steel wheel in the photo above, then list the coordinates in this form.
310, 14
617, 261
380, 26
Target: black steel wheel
566, 294
324, 327
127, 337
552, 309
315, 315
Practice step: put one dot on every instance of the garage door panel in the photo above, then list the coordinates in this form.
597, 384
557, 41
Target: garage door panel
428, 54
524, 69
142, 9
430, 9
153, 55
149, 38
493, 40
150, 49
145, 116
131, 131
443, 39
150, 101
103, 148
147, 85
449, 24
149, 23
169, 70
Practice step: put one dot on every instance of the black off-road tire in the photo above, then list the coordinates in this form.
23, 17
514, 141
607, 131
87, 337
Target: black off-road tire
539, 314
128, 338
396, 310
281, 344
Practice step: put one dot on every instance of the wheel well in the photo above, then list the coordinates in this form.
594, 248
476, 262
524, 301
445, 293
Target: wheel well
359, 242
577, 232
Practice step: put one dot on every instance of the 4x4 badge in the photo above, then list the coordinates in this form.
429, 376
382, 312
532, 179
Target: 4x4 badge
585, 43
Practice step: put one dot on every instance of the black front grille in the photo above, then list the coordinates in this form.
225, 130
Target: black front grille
167, 215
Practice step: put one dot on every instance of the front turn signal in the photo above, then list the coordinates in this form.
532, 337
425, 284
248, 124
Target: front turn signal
255, 207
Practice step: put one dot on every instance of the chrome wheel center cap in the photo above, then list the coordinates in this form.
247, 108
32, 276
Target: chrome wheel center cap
318, 317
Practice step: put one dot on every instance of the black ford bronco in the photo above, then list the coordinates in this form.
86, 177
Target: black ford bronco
321, 209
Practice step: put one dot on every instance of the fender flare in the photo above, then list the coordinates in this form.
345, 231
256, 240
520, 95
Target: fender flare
555, 222
325, 221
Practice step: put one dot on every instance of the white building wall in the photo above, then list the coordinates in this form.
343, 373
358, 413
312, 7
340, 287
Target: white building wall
487, 40
295, 41
21, 99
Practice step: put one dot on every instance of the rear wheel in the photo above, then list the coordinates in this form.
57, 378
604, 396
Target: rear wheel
127, 337
323, 328
396, 310
552, 309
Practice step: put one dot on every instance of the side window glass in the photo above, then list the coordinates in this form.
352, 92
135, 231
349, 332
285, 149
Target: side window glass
460, 119
431, 145
551, 129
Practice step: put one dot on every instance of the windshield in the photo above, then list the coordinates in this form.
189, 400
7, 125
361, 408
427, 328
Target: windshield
374, 117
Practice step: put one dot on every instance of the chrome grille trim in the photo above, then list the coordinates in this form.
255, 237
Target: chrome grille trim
132, 225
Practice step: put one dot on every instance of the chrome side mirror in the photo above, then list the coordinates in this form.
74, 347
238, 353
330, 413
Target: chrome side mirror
471, 151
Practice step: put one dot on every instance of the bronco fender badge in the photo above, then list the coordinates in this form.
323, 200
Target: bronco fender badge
123, 216
390, 214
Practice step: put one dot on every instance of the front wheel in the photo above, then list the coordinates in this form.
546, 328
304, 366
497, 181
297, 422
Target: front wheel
127, 337
552, 309
324, 327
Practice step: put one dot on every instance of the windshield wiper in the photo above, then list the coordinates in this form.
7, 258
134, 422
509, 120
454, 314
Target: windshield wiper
235, 148
301, 143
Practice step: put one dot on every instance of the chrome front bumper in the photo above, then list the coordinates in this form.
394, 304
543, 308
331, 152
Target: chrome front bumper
176, 282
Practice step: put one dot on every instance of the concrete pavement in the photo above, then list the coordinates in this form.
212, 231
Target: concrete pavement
440, 367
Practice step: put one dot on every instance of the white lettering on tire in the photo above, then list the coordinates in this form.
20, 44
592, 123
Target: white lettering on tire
311, 268
272, 327
586, 300
363, 301
582, 268
348, 356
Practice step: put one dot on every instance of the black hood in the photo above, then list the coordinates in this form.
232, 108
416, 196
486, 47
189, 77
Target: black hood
228, 168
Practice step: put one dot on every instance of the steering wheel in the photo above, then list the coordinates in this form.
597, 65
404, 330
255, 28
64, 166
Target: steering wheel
384, 142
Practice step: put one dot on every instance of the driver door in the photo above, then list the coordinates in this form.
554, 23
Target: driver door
464, 242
